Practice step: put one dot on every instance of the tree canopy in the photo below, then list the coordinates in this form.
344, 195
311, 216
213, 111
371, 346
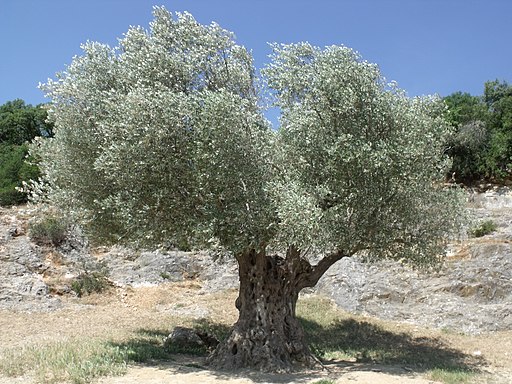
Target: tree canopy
360, 158
163, 139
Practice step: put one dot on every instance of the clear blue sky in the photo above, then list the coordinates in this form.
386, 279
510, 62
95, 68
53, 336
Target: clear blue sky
427, 46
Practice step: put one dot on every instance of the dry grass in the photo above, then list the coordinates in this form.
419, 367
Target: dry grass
335, 335
77, 361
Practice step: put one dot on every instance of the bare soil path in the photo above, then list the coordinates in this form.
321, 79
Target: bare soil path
182, 373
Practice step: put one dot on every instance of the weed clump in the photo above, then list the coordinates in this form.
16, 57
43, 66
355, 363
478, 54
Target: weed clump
484, 228
49, 229
92, 279
88, 283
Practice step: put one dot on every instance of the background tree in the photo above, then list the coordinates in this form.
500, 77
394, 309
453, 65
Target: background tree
481, 146
14, 170
467, 146
162, 139
19, 124
498, 159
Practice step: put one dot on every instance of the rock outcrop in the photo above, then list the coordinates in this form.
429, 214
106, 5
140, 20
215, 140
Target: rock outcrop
471, 293
22, 267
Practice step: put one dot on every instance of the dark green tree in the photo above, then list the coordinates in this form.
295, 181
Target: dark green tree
20, 123
498, 98
463, 108
481, 147
13, 171
469, 115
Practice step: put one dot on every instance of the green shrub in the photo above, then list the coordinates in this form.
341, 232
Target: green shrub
10, 196
484, 228
92, 279
89, 282
50, 229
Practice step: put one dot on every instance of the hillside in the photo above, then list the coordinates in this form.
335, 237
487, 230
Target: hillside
469, 300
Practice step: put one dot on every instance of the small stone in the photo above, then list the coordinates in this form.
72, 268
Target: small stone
14, 232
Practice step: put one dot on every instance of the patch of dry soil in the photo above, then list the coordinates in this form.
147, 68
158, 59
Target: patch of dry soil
182, 373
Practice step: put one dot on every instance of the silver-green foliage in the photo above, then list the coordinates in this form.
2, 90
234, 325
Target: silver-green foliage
162, 138
363, 164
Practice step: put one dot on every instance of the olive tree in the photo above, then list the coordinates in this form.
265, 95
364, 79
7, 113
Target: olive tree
162, 139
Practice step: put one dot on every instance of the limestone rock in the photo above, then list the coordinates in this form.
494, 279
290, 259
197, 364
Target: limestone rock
129, 267
183, 339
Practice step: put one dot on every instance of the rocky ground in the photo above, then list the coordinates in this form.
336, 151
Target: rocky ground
471, 294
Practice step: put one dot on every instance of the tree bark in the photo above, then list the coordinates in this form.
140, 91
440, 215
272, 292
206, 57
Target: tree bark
268, 336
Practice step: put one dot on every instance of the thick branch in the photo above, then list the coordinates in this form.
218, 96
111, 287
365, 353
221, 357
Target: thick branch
317, 271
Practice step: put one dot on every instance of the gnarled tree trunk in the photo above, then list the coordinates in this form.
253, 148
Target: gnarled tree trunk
268, 335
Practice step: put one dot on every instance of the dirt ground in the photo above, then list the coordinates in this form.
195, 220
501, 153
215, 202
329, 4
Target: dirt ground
341, 374
121, 313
